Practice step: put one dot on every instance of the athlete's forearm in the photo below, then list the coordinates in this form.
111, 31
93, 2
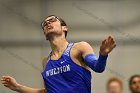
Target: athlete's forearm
25, 89
100, 64
96, 64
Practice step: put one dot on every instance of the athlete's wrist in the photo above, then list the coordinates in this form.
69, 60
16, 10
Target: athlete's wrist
18, 87
103, 53
103, 57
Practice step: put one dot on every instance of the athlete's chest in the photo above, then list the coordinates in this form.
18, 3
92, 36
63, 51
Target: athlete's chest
61, 67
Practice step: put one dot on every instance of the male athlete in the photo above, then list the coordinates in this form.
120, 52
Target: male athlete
67, 68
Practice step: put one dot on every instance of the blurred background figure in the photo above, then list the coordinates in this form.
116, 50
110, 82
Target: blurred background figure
114, 85
134, 84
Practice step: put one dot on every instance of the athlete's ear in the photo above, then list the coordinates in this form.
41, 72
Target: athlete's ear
64, 28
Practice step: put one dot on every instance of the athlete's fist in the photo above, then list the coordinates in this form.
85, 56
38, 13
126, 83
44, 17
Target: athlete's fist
9, 82
107, 45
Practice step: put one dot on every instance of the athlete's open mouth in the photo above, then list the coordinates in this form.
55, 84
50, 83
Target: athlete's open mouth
49, 27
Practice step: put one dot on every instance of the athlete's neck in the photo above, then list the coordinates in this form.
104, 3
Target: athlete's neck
58, 45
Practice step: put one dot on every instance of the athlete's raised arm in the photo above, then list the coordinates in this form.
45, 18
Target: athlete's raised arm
97, 64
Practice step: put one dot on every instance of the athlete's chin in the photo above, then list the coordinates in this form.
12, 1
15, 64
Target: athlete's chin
47, 32
51, 34
50, 30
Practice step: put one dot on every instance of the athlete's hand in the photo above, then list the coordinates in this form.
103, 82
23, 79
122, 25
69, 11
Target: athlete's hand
107, 46
9, 82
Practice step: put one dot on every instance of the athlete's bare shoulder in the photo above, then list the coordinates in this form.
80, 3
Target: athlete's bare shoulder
82, 46
82, 43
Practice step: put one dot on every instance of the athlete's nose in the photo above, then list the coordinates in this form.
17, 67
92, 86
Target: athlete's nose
47, 23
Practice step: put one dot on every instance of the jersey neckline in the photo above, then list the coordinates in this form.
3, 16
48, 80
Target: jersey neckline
61, 54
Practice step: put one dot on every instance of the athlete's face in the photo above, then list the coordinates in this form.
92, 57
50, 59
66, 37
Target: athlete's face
52, 25
114, 87
135, 85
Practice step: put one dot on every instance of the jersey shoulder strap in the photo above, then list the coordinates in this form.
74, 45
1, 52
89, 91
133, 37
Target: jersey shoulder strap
67, 51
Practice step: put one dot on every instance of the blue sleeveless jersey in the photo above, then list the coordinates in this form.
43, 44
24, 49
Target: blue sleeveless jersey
65, 76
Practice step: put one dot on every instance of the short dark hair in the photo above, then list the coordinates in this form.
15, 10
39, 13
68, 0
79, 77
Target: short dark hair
63, 23
131, 79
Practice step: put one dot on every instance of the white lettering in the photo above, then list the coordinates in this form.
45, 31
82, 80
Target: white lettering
58, 70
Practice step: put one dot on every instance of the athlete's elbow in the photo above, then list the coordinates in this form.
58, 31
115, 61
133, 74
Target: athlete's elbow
99, 70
